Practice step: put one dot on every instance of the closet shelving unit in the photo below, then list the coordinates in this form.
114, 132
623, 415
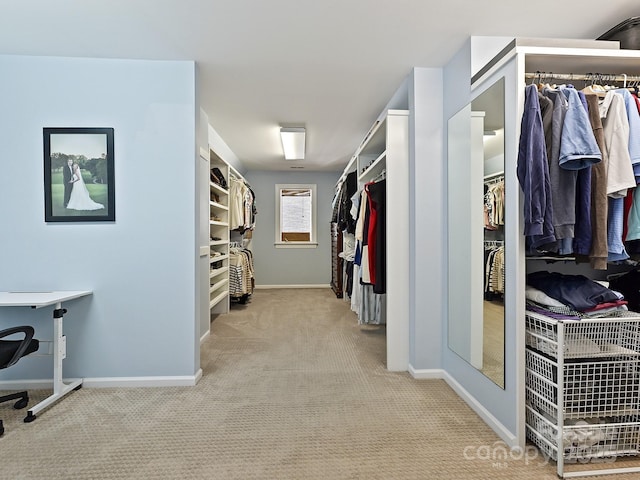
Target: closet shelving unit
385, 149
372, 155
219, 239
580, 384
557, 385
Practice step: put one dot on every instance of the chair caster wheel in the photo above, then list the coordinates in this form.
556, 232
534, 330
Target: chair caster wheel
29, 418
21, 403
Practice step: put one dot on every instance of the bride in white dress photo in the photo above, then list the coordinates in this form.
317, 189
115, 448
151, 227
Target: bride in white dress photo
80, 199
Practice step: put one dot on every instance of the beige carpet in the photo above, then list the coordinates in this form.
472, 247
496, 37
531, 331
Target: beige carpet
293, 388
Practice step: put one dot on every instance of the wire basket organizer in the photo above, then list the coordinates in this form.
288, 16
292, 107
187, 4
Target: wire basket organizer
584, 441
591, 388
583, 390
585, 338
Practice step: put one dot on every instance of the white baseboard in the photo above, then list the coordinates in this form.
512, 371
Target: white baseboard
427, 374
127, 382
104, 382
40, 384
436, 374
206, 335
267, 287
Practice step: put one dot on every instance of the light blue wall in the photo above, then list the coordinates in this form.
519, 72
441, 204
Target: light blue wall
426, 235
141, 320
285, 266
501, 404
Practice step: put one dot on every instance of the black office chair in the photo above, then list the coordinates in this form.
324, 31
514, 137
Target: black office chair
10, 352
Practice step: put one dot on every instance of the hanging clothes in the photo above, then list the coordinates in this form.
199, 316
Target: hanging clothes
369, 305
346, 221
242, 209
241, 272
533, 174
377, 193
494, 204
573, 151
620, 176
595, 136
598, 205
494, 272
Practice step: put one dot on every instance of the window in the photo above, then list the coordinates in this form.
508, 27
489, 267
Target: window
296, 209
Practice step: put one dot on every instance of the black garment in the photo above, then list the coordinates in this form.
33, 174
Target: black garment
633, 249
347, 190
629, 286
349, 268
576, 291
67, 174
378, 198
365, 236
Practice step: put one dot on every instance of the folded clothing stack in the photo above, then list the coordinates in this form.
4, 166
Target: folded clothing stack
571, 296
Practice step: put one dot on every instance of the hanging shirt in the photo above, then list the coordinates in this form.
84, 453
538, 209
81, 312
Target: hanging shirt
578, 147
561, 180
599, 204
615, 226
633, 220
583, 230
634, 124
533, 173
620, 176
378, 257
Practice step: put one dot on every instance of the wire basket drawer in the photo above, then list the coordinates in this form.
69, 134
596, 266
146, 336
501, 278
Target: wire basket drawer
584, 440
591, 389
541, 365
586, 338
601, 388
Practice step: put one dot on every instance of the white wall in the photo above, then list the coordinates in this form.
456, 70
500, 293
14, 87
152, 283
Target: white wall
141, 320
291, 266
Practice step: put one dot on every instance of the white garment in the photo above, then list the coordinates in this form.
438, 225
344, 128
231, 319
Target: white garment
236, 204
620, 176
80, 199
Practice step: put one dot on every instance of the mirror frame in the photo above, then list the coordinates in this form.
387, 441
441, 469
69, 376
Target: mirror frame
470, 132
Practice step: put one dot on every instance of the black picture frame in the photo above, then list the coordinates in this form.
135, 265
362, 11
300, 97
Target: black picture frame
85, 193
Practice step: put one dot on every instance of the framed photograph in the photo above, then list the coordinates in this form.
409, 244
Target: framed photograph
78, 175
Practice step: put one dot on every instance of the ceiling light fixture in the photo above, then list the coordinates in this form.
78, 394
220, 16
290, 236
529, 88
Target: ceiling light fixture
293, 140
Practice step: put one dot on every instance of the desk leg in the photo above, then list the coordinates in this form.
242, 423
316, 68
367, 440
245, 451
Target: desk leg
60, 389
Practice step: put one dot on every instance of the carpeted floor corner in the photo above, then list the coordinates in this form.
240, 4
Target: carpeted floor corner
292, 388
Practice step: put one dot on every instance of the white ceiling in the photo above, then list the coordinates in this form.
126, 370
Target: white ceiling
330, 65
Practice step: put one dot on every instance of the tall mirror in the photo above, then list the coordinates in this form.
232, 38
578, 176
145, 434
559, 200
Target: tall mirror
475, 172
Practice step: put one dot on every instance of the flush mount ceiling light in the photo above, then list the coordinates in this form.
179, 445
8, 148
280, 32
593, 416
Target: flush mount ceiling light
293, 139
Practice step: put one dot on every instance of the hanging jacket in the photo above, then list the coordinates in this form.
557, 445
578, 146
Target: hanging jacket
533, 173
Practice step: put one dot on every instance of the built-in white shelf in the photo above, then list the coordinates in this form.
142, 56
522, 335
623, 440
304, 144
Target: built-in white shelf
217, 258
217, 271
375, 169
218, 188
219, 211
218, 205
218, 284
218, 298
220, 224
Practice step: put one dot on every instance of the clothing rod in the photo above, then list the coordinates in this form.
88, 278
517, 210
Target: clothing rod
493, 244
494, 175
595, 77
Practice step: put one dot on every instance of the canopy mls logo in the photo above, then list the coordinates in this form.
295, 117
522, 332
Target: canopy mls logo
500, 454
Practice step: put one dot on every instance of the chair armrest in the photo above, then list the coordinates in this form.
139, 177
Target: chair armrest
28, 336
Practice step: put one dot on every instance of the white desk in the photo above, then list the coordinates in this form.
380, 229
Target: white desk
39, 300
